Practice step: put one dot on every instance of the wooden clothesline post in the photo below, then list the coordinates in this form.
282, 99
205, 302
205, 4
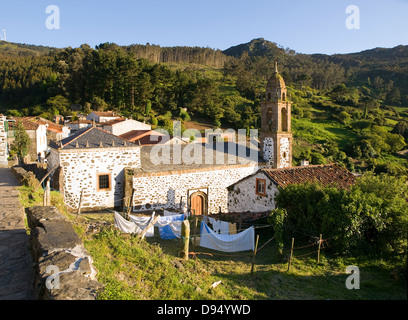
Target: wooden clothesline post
80, 203
254, 255
291, 253
318, 251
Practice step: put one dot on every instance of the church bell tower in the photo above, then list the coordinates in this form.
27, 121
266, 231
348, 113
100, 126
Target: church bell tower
276, 136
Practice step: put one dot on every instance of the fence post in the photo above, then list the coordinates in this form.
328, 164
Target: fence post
185, 239
48, 191
318, 251
291, 253
254, 255
80, 203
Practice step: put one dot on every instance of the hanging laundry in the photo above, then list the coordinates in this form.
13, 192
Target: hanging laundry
242, 241
224, 227
143, 222
232, 228
171, 230
125, 226
169, 226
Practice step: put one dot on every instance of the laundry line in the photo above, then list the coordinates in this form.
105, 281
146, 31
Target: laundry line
169, 226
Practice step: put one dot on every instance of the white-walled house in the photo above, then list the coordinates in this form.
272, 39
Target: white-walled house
77, 125
92, 162
37, 133
120, 126
102, 116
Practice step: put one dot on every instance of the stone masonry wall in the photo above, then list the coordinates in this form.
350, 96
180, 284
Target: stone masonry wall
164, 190
59, 254
242, 196
80, 169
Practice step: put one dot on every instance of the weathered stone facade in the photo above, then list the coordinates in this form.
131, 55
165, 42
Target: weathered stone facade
242, 196
79, 171
172, 189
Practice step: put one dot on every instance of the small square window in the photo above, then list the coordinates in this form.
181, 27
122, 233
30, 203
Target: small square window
104, 182
260, 188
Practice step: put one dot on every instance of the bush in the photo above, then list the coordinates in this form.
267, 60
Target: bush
370, 217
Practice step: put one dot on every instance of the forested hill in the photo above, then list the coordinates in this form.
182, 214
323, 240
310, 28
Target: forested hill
344, 106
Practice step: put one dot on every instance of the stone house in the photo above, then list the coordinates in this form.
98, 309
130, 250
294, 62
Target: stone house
92, 162
102, 116
256, 193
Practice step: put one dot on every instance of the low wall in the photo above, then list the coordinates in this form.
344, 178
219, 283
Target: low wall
26, 178
59, 253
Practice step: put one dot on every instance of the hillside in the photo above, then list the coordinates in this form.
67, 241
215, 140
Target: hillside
346, 108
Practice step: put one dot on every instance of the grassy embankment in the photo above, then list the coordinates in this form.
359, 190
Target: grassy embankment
150, 269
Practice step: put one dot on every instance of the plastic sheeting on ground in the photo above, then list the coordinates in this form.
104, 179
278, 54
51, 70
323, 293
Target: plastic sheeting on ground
242, 241
169, 226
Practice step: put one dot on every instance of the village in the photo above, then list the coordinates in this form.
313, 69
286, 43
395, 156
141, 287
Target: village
211, 192
89, 159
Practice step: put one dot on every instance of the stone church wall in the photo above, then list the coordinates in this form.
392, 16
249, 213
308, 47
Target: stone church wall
242, 196
169, 190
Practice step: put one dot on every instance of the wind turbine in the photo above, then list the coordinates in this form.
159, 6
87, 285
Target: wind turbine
4, 34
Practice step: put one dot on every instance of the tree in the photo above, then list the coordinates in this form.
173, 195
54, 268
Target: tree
21, 143
58, 105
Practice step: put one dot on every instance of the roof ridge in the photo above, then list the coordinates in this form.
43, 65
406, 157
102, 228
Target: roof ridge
113, 134
76, 137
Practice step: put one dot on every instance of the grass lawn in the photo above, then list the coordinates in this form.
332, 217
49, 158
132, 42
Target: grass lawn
151, 269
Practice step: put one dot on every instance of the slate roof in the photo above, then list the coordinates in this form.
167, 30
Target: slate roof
92, 137
194, 159
328, 175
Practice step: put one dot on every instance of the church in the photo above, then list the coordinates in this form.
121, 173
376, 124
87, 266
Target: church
96, 169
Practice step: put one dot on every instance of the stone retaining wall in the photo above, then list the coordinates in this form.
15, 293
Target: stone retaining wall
58, 252
24, 177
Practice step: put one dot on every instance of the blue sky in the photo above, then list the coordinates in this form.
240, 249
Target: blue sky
306, 26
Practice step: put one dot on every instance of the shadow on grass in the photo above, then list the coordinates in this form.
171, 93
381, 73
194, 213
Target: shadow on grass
306, 279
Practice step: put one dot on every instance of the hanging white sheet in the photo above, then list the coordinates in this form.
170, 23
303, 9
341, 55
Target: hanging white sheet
242, 241
169, 226
142, 223
126, 226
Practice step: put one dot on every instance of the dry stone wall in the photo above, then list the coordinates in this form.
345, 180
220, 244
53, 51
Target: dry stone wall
169, 190
64, 269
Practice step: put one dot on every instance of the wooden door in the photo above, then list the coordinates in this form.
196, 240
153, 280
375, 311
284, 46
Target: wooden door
197, 205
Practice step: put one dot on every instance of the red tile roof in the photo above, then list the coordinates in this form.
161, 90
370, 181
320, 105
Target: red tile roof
328, 175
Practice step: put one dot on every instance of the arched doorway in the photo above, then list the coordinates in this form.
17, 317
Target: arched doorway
198, 203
